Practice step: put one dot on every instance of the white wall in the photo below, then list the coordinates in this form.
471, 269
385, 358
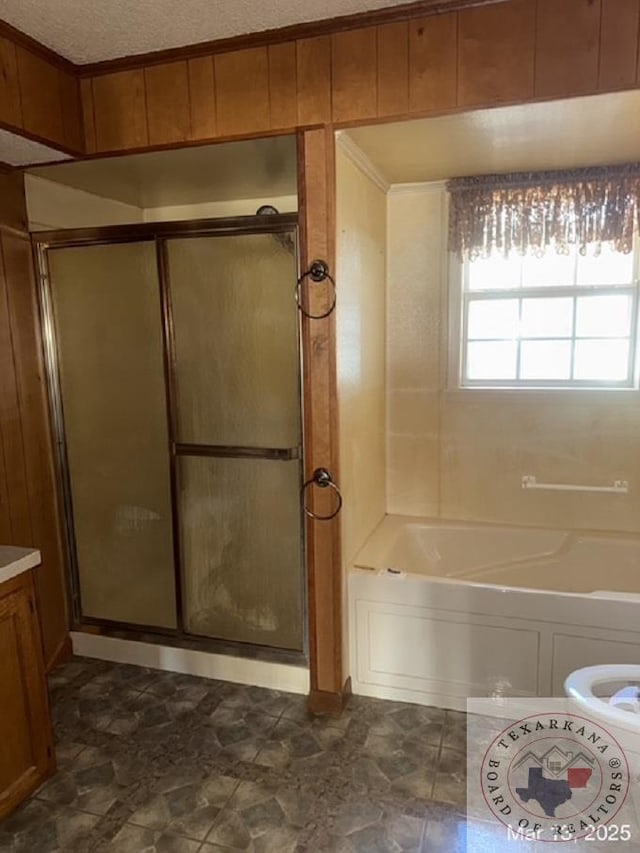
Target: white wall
215, 209
51, 205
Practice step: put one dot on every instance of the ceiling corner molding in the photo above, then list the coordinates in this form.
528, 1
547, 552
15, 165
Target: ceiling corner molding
293, 32
251, 39
357, 156
34, 46
418, 187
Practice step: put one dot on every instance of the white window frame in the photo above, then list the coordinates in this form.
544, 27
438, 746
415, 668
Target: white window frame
460, 297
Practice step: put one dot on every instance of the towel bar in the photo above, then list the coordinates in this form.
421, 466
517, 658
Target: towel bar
619, 487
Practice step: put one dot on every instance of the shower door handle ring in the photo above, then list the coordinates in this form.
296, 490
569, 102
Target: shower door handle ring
317, 273
322, 478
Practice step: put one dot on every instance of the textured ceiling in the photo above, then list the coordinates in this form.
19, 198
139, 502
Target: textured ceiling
18, 151
258, 168
554, 135
92, 30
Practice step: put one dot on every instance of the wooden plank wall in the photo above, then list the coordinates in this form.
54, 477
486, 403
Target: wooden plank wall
28, 499
39, 95
510, 52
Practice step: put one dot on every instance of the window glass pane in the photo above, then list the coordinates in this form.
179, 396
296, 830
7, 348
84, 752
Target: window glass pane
550, 270
491, 360
608, 268
495, 272
545, 360
547, 318
601, 360
603, 316
493, 318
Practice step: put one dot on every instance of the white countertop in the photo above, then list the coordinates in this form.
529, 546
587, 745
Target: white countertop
14, 561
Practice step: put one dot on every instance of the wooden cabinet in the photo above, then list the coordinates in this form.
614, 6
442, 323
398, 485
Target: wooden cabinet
26, 743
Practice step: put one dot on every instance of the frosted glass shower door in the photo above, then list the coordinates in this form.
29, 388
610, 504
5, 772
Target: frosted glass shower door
237, 426
107, 315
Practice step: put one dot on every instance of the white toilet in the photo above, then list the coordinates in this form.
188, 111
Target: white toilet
610, 695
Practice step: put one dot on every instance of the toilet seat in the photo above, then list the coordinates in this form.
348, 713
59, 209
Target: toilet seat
579, 686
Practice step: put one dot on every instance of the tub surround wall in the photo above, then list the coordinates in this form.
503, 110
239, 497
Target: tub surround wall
360, 320
461, 454
416, 284
361, 234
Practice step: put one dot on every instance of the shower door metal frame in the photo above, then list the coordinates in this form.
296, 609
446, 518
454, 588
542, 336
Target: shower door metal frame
159, 233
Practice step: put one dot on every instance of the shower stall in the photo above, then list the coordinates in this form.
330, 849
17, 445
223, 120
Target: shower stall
173, 356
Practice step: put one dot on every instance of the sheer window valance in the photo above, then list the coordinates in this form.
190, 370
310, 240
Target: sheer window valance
529, 211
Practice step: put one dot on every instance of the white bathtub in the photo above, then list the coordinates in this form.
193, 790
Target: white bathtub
441, 611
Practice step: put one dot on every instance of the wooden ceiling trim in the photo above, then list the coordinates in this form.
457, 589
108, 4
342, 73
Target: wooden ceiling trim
295, 32
33, 46
39, 98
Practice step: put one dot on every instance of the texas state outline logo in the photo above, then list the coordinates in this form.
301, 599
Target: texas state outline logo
556, 777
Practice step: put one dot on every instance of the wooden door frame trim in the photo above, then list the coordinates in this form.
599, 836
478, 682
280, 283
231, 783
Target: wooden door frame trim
329, 688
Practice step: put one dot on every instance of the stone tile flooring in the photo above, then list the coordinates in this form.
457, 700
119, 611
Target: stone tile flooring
151, 761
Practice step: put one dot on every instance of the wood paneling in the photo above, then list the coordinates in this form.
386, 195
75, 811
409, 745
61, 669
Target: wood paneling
393, 69
88, 117
40, 96
202, 98
168, 115
567, 47
496, 54
432, 63
354, 74
28, 498
283, 93
10, 110
295, 32
11, 428
33, 412
619, 44
120, 111
242, 91
26, 740
13, 209
314, 80
71, 112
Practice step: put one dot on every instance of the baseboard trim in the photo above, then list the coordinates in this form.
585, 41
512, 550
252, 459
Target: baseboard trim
325, 702
61, 654
276, 676
413, 697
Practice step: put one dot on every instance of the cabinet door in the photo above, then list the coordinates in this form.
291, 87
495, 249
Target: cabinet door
25, 729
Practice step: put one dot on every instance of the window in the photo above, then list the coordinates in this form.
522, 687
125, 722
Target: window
550, 321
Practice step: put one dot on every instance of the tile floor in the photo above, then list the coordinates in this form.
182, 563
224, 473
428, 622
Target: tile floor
151, 761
